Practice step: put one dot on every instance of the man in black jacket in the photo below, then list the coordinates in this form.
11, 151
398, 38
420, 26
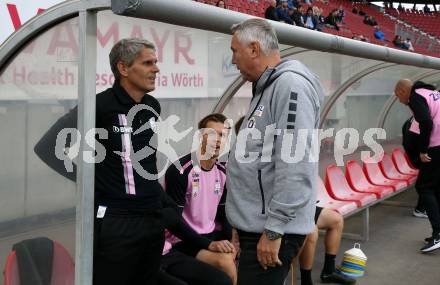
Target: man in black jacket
424, 102
271, 12
129, 233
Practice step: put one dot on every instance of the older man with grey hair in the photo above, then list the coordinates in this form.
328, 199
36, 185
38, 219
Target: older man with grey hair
128, 234
272, 195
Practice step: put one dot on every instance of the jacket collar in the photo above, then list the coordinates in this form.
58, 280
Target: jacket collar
123, 97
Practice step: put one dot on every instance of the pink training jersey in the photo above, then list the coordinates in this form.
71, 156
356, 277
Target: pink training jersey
199, 192
433, 100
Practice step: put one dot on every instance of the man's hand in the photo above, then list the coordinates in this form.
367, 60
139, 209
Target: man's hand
223, 246
267, 252
424, 157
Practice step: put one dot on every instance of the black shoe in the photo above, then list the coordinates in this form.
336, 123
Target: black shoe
337, 277
432, 245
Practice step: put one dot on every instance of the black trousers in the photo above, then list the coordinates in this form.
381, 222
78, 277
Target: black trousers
127, 248
190, 271
428, 187
250, 270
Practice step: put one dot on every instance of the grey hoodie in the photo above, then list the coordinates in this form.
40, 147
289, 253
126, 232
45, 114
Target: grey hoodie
276, 191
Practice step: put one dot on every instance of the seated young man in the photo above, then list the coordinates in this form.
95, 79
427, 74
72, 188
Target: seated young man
199, 191
333, 223
180, 269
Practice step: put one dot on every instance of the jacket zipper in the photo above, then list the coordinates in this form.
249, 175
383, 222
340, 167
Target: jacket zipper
263, 206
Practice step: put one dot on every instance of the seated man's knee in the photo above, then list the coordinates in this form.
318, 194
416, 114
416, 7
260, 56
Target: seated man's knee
330, 219
312, 238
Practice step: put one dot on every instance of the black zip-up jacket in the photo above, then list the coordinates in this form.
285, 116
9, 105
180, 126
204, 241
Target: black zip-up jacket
420, 109
117, 183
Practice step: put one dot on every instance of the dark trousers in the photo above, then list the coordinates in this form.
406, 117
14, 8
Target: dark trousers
127, 248
190, 270
250, 270
428, 187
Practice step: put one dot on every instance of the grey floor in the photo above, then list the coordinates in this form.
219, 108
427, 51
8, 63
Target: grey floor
393, 249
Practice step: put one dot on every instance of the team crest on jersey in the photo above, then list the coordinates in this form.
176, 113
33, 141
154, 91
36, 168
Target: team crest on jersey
259, 111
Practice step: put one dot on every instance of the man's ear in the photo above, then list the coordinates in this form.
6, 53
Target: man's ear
122, 68
255, 49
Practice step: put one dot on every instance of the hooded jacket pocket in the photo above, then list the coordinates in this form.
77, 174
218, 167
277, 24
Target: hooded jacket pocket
260, 184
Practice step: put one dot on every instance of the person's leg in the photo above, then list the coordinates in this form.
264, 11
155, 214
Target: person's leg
127, 249
223, 261
333, 223
306, 258
426, 186
250, 270
419, 210
195, 272
167, 279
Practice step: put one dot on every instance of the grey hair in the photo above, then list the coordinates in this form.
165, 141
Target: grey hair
125, 51
257, 30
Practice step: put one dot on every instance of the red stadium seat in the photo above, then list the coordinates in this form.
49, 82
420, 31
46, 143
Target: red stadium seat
401, 162
63, 268
325, 201
389, 170
376, 177
339, 189
358, 181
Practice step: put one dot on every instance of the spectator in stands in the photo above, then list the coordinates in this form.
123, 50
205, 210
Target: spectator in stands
400, 8
317, 12
369, 20
333, 223
297, 16
397, 41
408, 44
426, 9
340, 15
355, 10
378, 34
283, 13
199, 191
271, 11
330, 20
292, 3
362, 12
423, 101
221, 4
271, 220
310, 20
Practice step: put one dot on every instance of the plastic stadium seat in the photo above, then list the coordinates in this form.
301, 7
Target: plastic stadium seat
358, 181
339, 189
401, 163
63, 270
325, 201
389, 170
376, 177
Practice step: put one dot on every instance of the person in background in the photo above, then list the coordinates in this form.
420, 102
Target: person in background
423, 101
297, 16
283, 13
333, 224
221, 4
271, 12
330, 20
310, 21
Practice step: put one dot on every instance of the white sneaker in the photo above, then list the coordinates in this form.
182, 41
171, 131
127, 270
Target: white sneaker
432, 245
420, 214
